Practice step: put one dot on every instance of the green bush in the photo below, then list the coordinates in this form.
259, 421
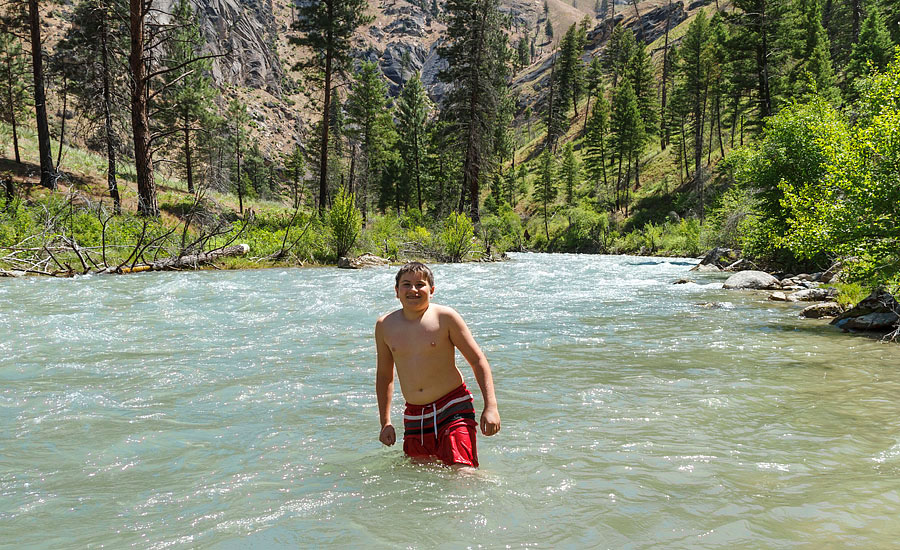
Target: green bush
345, 223
456, 236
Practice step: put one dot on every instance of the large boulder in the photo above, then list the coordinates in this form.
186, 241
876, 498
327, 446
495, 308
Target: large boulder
721, 257
813, 295
878, 312
362, 261
756, 280
819, 311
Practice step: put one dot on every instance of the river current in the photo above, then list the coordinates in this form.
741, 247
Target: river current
236, 409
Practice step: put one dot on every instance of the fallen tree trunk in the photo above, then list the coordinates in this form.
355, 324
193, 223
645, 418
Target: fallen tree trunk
190, 261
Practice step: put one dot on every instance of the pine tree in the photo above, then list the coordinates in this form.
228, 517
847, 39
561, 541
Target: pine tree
326, 27
570, 171
413, 110
48, 172
187, 99
640, 71
295, 163
476, 51
816, 55
629, 137
545, 190
618, 52
95, 66
13, 91
367, 108
874, 46
596, 144
694, 70
238, 120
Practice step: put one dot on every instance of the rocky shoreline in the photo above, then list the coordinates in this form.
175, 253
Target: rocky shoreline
878, 314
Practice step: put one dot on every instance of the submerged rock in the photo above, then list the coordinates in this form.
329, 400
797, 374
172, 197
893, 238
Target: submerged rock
756, 280
683, 281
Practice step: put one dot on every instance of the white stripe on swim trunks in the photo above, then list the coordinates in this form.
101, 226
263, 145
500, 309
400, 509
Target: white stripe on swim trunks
438, 411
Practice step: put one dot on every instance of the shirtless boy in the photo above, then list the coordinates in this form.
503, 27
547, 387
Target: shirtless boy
420, 340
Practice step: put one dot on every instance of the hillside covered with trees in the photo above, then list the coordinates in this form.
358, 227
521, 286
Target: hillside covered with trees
652, 127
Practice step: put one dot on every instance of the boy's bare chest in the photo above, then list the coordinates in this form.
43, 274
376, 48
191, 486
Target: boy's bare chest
424, 337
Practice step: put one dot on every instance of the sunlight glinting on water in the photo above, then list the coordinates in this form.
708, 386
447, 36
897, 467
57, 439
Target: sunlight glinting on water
235, 409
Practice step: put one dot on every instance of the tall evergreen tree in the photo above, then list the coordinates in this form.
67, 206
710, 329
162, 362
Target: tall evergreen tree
596, 144
187, 99
476, 51
815, 58
874, 46
367, 108
93, 48
618, 52
48, 173
545, 189
413, 110
326, 27
570, 172
295, 163
629, 137
238, 120
13, 91
695, 71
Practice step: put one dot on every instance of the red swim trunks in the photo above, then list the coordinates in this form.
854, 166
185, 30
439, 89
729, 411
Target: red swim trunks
444, 429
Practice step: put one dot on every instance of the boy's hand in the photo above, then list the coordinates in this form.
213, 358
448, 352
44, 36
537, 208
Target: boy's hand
490, 421
388, 436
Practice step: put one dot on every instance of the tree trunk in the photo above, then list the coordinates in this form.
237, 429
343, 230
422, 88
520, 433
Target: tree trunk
664, 130
107, 120
62, 122
140, 122
323, 155
12, 111
418, 174
188, 166
762, 65
48, 176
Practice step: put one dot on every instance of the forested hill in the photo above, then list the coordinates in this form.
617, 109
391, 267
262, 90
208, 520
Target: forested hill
654, 127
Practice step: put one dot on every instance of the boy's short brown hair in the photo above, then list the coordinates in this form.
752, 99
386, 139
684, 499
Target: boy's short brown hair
415, 267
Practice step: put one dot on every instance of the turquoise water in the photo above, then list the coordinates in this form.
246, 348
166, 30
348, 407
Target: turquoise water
236, 409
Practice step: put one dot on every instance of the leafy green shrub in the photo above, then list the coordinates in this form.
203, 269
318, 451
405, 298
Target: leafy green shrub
383, 235
456, 236
345, 223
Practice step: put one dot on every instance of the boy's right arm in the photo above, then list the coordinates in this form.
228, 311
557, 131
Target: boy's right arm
384, 384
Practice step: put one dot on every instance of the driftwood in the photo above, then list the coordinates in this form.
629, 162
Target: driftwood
188, 261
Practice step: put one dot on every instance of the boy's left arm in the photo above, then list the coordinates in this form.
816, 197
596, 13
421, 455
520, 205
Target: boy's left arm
462, 338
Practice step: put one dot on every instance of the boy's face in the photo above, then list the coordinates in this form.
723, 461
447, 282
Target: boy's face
413, 291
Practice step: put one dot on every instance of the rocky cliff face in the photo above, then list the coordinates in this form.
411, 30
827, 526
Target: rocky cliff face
244, 31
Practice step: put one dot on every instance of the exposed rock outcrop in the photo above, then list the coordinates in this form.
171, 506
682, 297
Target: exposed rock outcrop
757, 280
362, 261
878, 312
244, 31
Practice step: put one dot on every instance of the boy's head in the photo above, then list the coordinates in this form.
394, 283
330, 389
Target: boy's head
414, 286
416, 268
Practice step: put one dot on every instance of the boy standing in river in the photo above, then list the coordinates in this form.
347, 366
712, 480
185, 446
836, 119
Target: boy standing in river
420, 339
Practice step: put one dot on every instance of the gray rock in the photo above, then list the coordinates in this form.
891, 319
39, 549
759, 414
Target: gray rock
778, 297
683, 281
716, 305
362, 261
877, 312
832, 274
813, 295
757, 280
721, 257
705, 268
818, 311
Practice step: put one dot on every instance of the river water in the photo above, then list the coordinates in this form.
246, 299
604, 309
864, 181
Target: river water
236, 410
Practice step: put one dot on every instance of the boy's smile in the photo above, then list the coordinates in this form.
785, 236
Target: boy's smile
413, 291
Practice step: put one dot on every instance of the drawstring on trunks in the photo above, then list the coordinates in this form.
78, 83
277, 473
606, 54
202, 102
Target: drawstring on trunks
422, 423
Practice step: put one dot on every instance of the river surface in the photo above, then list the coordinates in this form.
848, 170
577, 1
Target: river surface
236, 410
